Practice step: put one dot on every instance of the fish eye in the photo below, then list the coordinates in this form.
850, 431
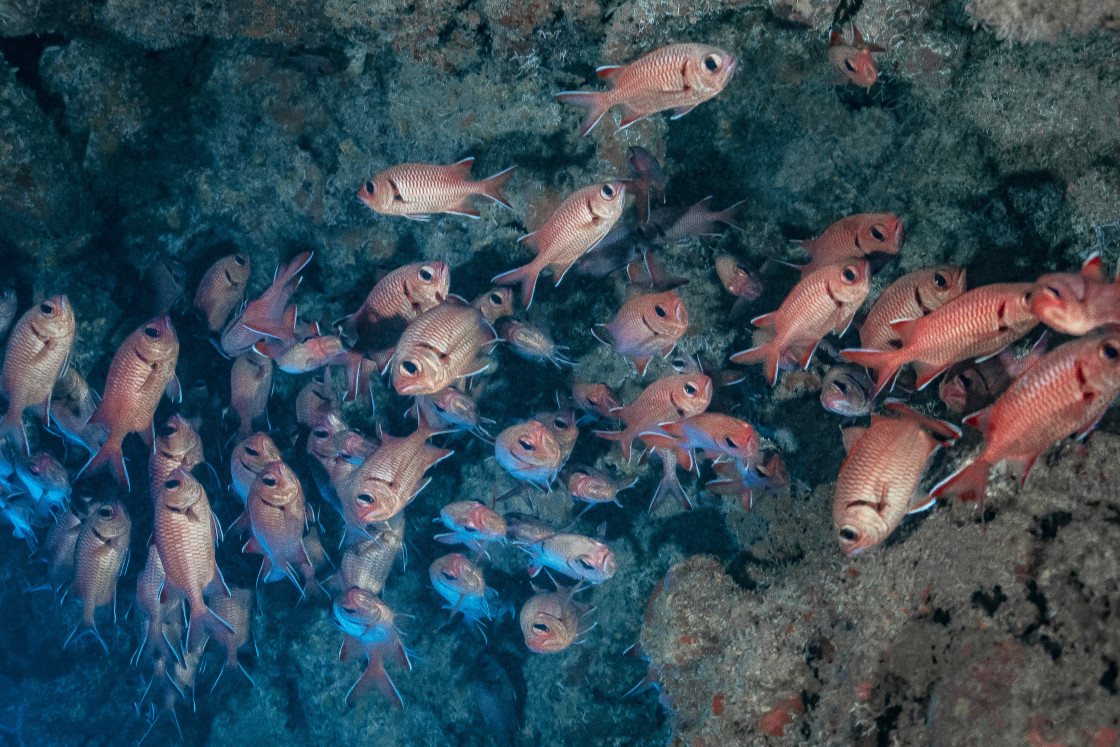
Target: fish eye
607, 192
365, 498
426, 274
526, 445
240, 259
730, 444
689, 389
350, 610
560, 423
841, 386
321, 433
848, 64
540, 627
966, 381
878, 233
849, 274
370, 187
46, 308
439, 407
940, 280
496, 299
1110, 351
251, 451
105, 512
659, 310
585, 564
849, 534
711, 62
172, 484
151, 332
409, 367
1057, 293
269, 481
448, 576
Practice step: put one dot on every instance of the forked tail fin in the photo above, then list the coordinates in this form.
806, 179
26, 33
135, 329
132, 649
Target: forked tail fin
595, 102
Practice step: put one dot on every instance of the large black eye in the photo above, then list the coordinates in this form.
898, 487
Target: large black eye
46, 308
350, 611
607, 192
730, 444
711, 63
849, 274
940, 280
848, 64
1110, 351
878, 233
849, 534
585, 564
369, 187
560, 423
426, 274
689, 389
321, 433
171, 484
1057, 293
540, 627
105, 512
659, 310
496, 299
966, 381
447, 575
151, 332
251, 451
240, 259
841, 386
526, 445
409, 367
269, 481
365, 498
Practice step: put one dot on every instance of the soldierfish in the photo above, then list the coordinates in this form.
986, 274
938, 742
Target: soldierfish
416, 190
1075, 303
976, 324
73, 403
647, 324
745, 481
142, 370
530, 452
396, 299
677, 77
663, 401
860, 236
552, 621
494, 304
594, 486
847, 390
37, 355
532, 343
563, 425
315, 400
99, 559
389, 479
462, 584
185, 533
495, 699
250, 384
973, 385
472, 524
669, 225
449, 409
440, 346
825, 300
594, 396
247, 461
237, 610
578, 224
177, 446
854, 60
878, 482
648, 183
737, 281
368, 625
719, 436
277, 514
153, 613
911, 296
165, 280
1065, 393
577, 556
268, 316
366, 562
58, 549
222, 289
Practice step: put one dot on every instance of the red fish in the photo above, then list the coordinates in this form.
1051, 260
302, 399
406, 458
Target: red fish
398, 298
440, 346
878, 482
462, 584
416, 190
37, 356
1075, 303
268, 316
574, 228
854, 60
533, 343
222, 289
976, 324
970, 386
389, 479
716, 434
250, 382
593, 396
647, 324
553, 621
677, 77
530, 452
277, 514
824, 301
142, 370
669, 225
911, 296
745, 481
495, 304
648, 184
449, 409
247, 461
177, 447
846, 390
594, 486
472, 524
853, 237
1064, 394
737, 281
370, 632
664, 401
99, 557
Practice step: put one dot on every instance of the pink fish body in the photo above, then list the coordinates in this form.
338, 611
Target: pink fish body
417, 190
648, 324
268, 316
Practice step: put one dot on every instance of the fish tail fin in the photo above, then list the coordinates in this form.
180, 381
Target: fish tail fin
374, 678
491, 186
884, 362
966, 484
670, 484
764, 353
86, 627
728, 215
595, 102
110, 453
658, 276
203, 623
12, 427
526, 277
624, 439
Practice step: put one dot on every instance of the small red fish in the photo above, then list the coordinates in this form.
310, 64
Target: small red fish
462, 584
307, 356
1075, 303
472, 524
449, 409
37, 355
677, 77
440, 346
648, 183
911, 296
853, 237
647, 324
973, 385
846, 390
1064, 394
564, 427
268, 316
416, 190
370, 632
664, 401
552, 621
366, 563
878, 482
389, 479
976, 324
530, 452
495, 304
533, 343
574, 555
670, 225
747, 481
594, 486
316, 399
250, 383
574, 228
716, 434
222, 289
854, 60
276, 512
593, 396
823, 301
99, 557
142, 369
247, 461
737, 281
403, 294
177, 446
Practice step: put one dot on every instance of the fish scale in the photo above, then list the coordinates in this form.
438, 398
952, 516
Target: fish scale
393, 472
911, 296
454, 332
98, 556
366, 563
278, 517
222, 289
395, 295
665, 400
